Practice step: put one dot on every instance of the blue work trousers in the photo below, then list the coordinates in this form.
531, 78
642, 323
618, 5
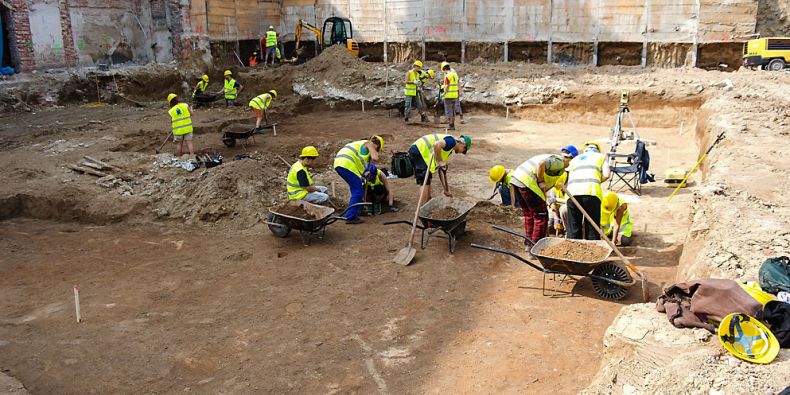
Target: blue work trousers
357, 192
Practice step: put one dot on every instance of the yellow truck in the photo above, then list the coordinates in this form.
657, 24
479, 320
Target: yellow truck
772, 53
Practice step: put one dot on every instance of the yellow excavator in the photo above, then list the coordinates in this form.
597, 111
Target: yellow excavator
336, 31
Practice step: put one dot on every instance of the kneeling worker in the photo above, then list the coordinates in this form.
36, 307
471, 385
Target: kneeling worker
299, 183
181, 124
441, 146
378, 189
259, 104
500, 176
616, 220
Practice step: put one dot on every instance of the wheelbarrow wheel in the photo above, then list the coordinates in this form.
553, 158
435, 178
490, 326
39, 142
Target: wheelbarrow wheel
278, 230
229, 142
608, 290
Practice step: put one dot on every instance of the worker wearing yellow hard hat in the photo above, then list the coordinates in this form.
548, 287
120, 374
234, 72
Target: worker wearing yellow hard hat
259, 104
451, 94
411, 93
586, 173
232, 88
299, 184
201, 95
616, 220
180, 124
500, 177
430, 153
350, 163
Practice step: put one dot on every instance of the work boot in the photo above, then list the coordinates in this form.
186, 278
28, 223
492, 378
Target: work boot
423, 118
406, 119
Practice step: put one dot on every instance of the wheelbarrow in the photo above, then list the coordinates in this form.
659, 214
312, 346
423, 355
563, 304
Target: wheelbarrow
243, 133
610, 280
452, 228
281, 224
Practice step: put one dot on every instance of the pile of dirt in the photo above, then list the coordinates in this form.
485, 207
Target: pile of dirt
294, 211
444, 213
493, 213
576, 251
332, 62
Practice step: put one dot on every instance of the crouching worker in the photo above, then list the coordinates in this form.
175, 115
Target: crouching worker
299, 183
616, 220
350, 163
378, 189
500, 177
441, 146
259, 105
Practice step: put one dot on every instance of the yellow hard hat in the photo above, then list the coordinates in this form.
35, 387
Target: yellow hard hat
747, 338
610, 200
381, 141
309, 152
753, 289
444, 65
170, 97
496, 174
417, 63
594, 144
227, 73
204, 77
431, 73
273, 93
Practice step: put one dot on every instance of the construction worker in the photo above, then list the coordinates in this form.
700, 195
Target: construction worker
450, 88
199, 95
555, 197
458, 110
412, 96
232, 89
378, 189
422, 90
271, 45
616, 220
500, 177
585, 175
531, 180
253, 60
259, 104
299, 184
181, 124
441, 146
350, 163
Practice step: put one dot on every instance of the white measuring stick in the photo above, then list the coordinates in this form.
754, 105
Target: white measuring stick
507, 112
77, 302
363, 106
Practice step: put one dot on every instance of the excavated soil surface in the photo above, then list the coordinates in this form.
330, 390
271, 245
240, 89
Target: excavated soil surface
575, 251
443, 213
294, 211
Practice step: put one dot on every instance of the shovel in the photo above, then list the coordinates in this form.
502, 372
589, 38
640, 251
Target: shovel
406, 254
628, 264
164, 142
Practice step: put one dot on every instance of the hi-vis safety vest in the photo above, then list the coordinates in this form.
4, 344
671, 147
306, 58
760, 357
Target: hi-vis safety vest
585, 174
506, 179
377, 181
527, 174
452, 88
411, 87
180, 119
425, 146
609, 219
295, 191
351, 158
271, 38
261, 102
200, 88
230, 89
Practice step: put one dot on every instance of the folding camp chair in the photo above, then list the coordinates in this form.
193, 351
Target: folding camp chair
626, 169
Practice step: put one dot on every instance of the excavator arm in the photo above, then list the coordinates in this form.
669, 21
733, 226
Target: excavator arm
298, 33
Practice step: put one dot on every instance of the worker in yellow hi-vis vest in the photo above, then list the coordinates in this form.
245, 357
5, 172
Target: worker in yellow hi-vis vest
181, 124
411, 92
450, 94
271, 45
259, 104
231, 88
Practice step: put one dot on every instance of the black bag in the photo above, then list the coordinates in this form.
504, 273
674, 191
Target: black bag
774, 275
401, 165
777, 315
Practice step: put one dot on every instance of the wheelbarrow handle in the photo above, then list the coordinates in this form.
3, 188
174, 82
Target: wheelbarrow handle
343, 214
402, 222
514, 233
511, 253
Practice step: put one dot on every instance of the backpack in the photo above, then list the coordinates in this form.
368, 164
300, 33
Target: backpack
401, 165
774, 275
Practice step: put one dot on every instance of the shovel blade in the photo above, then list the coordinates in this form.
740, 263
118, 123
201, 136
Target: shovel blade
645, 290
405, 256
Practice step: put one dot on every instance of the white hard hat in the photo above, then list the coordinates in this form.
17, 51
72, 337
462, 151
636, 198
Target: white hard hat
271, 27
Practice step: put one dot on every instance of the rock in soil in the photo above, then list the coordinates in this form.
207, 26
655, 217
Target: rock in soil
444, 213
294, 211
576, 251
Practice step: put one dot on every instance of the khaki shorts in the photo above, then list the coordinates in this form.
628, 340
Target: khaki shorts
183, 137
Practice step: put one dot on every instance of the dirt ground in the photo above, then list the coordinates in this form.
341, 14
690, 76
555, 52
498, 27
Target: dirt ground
184, 288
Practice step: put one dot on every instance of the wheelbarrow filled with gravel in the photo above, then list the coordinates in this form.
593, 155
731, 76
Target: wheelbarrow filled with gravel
307, 218
573, 259
441, 214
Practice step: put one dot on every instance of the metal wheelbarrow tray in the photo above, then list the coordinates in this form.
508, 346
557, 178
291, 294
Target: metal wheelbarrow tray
610, 280
452, 228
281, 224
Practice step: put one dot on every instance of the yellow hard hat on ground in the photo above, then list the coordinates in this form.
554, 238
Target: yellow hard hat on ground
610, 200
593, 144
273, 93
227, 73
496, 174
380, 140
170, 97
417, 63
445, 65
431, 73
747, 338
309, 152
204, 77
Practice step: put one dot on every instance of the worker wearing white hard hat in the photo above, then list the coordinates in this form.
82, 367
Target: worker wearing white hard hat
270, 43
586, 173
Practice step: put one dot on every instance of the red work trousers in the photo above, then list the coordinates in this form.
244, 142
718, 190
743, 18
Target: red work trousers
536, 215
